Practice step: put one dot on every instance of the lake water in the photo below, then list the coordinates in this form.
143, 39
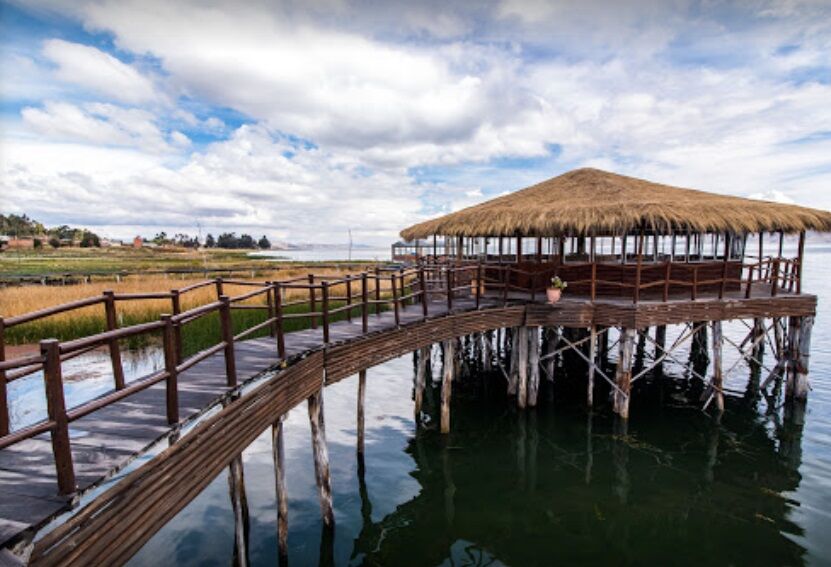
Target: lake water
327, 254
555, 485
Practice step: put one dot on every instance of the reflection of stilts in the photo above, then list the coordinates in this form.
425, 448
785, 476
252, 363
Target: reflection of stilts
366, 504
589, 448
790, 433
278, 454
712, 449
620, 456
239, 504
361, 417
533, 443
521, 444
449, 488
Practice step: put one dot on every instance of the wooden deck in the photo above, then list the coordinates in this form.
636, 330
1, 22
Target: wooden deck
106, 440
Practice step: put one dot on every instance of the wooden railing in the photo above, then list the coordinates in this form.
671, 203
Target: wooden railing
327, 298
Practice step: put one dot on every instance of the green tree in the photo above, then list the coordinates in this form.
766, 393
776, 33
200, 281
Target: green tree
263, 243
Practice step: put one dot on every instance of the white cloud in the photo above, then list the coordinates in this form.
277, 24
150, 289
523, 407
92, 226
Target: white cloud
98, 72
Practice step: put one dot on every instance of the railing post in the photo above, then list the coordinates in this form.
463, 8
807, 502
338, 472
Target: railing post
449, 288
667, 276
638, 268
218, 284
364, 303
115, 353
56, 409
799, 259
278, 307
478, 283
349, 298
169, 338
774, 278
176, 303
325, 309
402, 290
395, 301
377, 291
4, 398
312, 300
269, 296
749, 287
594, 281
422, 282
227, 330
723, 286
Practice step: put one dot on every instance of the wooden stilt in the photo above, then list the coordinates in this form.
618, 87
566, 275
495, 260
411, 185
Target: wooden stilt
623, 376
487, 362
718, 381
278, 454
551, 344
361, 403
592, 366
421, 379
513, 370
799, 339
239, 503
660, 346
321, 457
533, 366
447, 384
522, 368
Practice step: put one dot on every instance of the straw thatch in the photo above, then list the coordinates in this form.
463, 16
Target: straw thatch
591, 201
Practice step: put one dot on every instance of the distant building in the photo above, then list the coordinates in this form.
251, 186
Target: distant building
138, 242
26, 243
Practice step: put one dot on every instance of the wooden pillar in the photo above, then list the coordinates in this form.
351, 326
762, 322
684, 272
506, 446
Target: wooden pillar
321, 457
592, 365
551, 343
800, 258
513, 368
718, 380
227, 332
660, 346
56, 410
115, 353
533, 366
239, 505
522, 367
420, 381
361, 417
447, 383
799, 351
487, 363
279, 456
623, 375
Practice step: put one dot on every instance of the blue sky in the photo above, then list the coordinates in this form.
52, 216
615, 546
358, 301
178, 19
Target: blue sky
303, 120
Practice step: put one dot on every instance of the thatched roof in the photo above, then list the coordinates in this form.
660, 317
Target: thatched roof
586, 201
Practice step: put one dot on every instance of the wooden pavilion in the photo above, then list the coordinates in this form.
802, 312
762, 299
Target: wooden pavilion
635, 254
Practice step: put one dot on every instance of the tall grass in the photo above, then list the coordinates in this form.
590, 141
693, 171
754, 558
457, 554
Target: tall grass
195, 335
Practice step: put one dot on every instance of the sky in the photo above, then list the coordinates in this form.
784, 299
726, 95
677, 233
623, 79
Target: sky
303, 120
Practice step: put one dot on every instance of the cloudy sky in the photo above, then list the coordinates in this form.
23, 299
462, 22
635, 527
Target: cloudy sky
302, 120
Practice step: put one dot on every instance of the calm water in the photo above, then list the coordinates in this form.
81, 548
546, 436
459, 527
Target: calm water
554, 485
327, 254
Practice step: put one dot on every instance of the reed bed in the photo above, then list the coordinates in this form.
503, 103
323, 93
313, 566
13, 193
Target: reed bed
90, 320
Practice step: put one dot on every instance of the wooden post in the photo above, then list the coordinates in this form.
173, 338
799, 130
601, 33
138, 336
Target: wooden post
592, 364
800, 352
594, 280
774, 278
694, 289
518, 249
269, 296
361, 415
533, 366
349, 298
312, 300
479, 284
638, 268
421, 380
219, 289
239, 505
552, 339
623, 375
364, 303
449, 288
513, 365
278, 454
395, 302
667, 277
56, 410
446, 384
278, 308
176, 305
799, 259
660, 346
227, 331
115, 353
4, 397
172, 392
325, 311
723, 287
522, 367
422, 282
321, 457
377, 291
718, 379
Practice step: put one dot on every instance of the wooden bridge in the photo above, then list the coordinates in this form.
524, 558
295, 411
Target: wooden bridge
354, 322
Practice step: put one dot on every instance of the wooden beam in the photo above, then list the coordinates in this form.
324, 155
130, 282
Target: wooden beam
421, 379
592, 366
278, 454
718, 381
522, 367
533, 366
623, 375
239, 505
321, 457
447, 384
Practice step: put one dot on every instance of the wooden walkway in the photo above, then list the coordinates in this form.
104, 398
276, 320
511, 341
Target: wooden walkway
106, 440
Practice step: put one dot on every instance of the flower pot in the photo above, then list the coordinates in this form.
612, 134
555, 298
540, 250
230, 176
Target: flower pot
553, 294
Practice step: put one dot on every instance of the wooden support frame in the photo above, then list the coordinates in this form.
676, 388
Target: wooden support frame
321, 457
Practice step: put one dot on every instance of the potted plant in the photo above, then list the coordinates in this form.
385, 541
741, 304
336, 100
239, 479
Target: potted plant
555, 290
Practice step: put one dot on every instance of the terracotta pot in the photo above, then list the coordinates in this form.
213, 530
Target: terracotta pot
553, 294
